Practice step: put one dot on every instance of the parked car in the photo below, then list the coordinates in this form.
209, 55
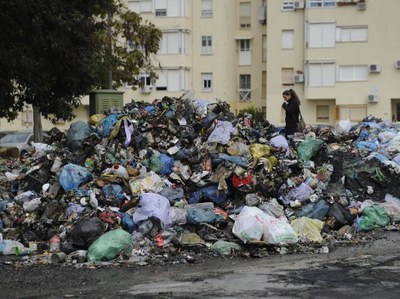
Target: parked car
17, 143
4, 133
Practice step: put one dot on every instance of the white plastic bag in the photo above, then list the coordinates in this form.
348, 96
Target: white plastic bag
277, 231
343, 127
10, 247
152, 205
222, 132
249, 226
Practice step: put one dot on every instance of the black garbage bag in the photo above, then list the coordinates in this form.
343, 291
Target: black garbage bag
138, 141
341, 215
76, 133
85, 232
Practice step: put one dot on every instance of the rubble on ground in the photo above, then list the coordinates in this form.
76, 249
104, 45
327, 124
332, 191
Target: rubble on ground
179, 179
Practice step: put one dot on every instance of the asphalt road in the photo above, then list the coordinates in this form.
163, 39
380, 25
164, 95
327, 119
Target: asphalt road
370, 270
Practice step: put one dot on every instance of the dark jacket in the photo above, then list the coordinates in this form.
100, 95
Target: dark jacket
292, 110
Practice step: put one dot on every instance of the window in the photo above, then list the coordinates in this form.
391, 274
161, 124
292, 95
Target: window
321, 74
206, 45
264, 48
206, 8
140, 6
321, 35
160, 7
323, 113
245, 87
353, 73
206, 81
172, 80
245, 16
352, 112
287, 5
145, 80
287, 39
170, 8
244, 45
287, 76
173, 43
244, 52
352, 34
322, 3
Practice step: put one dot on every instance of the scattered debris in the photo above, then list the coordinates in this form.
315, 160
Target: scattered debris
179, 179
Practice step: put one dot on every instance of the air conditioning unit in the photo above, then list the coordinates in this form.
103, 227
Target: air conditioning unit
298, 5
374, 68
362, 5
146, 89
298, 78
372, 98
398, 64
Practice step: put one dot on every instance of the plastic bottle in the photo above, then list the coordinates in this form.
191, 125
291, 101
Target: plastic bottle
55, 243
120, 171
145, 227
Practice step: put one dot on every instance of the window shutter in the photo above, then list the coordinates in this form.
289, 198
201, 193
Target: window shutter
328, 35
173, 80
328, 74
359, 34
173, 43
287, 39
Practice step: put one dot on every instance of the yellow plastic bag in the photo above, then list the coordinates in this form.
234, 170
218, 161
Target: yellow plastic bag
259, 150
95, 119
308, 228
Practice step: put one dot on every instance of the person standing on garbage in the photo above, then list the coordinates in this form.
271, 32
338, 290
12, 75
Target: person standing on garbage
291, 105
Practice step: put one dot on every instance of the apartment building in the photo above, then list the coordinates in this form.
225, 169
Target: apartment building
215, 48
341, 57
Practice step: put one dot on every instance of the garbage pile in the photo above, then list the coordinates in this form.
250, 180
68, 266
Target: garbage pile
179, 179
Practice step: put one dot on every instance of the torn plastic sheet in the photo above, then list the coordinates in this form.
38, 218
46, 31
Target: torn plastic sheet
152, 205
221, 133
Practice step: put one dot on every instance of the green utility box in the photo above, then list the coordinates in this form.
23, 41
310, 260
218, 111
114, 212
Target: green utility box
103, 99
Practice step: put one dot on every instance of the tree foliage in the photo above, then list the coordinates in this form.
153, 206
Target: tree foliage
53, 52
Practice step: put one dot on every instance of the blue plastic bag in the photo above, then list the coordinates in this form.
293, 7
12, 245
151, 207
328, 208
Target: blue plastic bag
72, 176
114, 191
127, 222
107, 124
166, 164
208, 194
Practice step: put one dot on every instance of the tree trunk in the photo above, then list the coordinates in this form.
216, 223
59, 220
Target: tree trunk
37, 124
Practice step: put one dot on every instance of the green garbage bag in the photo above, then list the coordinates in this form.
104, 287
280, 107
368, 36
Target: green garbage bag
372, 217
309, 148
224, 248
110, 245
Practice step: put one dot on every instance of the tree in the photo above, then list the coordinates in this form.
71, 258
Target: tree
53, 52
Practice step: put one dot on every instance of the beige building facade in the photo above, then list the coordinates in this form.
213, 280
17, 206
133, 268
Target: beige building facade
214, 48
211, 47
341, 57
